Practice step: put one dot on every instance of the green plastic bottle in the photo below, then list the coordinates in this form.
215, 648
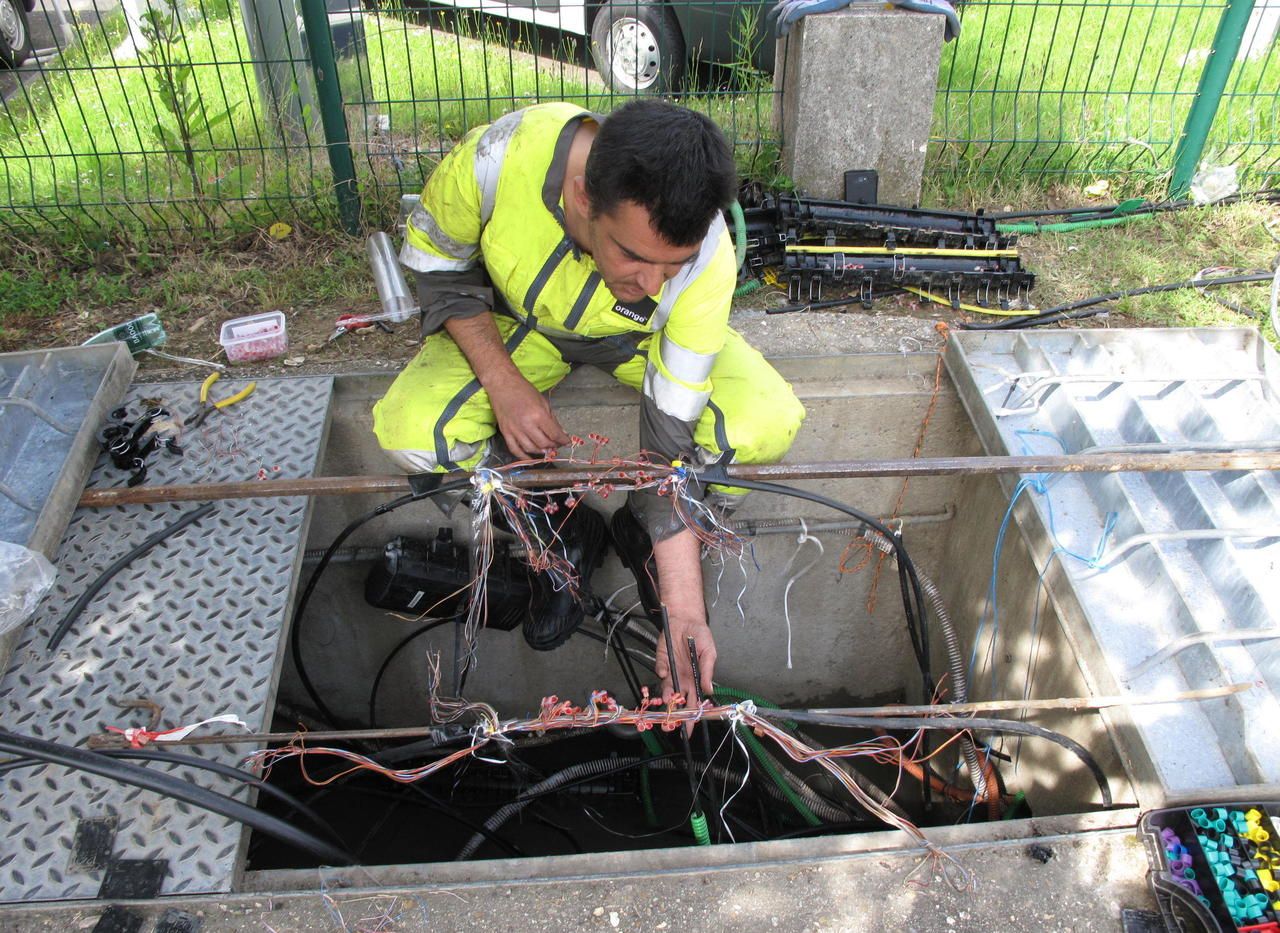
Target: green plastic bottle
142, 333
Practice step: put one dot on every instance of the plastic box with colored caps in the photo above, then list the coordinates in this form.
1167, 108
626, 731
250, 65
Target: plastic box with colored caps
253, 338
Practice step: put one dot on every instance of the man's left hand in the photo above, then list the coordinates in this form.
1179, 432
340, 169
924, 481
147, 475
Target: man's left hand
704, 645
680, 581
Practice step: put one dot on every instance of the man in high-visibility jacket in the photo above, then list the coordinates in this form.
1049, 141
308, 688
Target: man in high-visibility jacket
552, 238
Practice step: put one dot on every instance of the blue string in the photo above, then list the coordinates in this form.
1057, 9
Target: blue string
1039, 484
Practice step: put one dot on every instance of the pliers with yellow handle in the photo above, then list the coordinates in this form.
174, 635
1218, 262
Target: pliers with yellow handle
207, 407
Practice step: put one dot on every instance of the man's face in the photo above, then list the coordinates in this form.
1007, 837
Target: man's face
633, 259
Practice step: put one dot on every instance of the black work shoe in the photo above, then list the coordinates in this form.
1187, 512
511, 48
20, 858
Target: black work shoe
557, 613
635, 548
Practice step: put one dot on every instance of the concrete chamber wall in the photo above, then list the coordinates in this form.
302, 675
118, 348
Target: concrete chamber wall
846, 648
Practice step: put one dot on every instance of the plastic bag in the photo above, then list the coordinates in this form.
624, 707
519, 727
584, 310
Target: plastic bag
1213, 183
25, 576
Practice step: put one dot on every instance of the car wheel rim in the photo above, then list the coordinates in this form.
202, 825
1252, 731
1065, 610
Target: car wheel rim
634, 57
10, 25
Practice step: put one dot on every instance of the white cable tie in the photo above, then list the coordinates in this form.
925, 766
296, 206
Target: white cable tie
739, 711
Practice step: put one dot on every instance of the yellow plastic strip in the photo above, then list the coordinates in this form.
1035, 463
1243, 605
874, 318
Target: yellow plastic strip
972, 309
904, 251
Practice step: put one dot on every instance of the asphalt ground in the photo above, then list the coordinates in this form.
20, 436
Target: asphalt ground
50, 24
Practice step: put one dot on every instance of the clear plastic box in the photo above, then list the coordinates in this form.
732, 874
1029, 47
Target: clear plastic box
256, 337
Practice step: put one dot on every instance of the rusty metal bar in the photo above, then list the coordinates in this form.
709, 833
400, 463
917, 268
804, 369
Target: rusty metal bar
1187, 461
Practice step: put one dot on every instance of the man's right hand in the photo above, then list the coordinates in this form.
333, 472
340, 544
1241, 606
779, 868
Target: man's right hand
524, 416
523, 413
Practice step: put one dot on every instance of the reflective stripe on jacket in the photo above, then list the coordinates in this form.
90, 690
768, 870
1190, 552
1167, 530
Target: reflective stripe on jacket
496, 199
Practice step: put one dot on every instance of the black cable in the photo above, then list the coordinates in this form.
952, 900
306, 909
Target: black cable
168, 531
429, 801
629, 766
169, 786
230, 771
955, 724
299, 612
825, 829
1085, 307
403, 643
215, 767
684, 733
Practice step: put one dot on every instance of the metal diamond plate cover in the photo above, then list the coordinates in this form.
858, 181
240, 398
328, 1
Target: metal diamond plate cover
1175, 573
195, 626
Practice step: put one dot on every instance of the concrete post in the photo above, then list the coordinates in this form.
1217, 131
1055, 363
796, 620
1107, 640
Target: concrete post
286, 87
857, 93
1260, 34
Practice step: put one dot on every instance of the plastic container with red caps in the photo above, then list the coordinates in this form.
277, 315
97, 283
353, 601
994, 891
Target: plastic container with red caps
255, 338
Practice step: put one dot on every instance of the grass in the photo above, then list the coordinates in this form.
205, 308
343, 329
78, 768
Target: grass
1166, 248
49, 298
1088, 89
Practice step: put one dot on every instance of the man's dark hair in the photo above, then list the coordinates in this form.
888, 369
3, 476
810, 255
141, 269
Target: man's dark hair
673, 162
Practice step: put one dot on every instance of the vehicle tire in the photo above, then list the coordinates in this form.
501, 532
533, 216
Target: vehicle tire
15, 36
638, 47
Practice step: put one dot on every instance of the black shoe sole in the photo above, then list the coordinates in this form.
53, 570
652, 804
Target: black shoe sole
585, 547
635, 549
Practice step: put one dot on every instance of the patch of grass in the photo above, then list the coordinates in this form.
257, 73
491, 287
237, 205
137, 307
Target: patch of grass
89, 291
1165, 248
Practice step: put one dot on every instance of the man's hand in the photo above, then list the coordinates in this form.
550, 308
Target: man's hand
705, 645
523, 413
524, 416
680, 579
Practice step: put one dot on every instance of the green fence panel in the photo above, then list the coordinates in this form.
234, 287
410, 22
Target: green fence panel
220, 122
431, 74
1087, 88
153, 123
1246, 131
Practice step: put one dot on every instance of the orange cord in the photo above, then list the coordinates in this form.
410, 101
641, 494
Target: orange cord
945, 333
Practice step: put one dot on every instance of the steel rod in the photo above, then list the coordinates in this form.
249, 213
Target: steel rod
1178, 462
950, 711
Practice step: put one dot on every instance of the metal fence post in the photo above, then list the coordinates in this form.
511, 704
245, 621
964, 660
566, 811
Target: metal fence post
1213, 81
315, 19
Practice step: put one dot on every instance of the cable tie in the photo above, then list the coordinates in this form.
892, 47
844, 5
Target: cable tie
738, 712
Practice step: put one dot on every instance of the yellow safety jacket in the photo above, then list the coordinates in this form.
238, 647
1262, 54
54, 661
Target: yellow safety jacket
496, 199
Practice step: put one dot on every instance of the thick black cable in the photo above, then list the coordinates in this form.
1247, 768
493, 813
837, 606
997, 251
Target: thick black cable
190, 761
169, 786
1086, 307
400, 646
429, 801
949, 724
299, 612
230, 771
167, 532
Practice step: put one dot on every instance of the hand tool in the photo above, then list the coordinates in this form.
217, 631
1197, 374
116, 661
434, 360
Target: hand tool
697, 819
207, 406
706, 728
347, 323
